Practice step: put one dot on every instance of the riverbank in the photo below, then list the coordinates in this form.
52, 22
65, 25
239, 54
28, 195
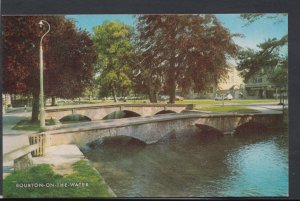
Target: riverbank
62, 172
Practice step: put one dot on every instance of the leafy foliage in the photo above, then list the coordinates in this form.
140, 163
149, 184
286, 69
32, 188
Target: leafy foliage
252, 17
182, 51
267, 60
70, 60
69, 56
114, 48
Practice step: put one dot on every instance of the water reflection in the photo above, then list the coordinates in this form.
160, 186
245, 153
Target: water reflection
188, 163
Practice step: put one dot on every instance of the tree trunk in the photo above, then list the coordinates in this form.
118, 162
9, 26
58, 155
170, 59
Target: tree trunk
35, 108
53, 101
151, 93
115, 94
152, 97
171, 78
172, 88
281, 96
28, 100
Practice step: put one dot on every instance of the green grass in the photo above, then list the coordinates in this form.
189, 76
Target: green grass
112, 102
191, 101
43, 174
213, 102
27, 125
228, 108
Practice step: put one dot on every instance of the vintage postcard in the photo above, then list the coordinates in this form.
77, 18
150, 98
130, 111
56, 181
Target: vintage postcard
145, 105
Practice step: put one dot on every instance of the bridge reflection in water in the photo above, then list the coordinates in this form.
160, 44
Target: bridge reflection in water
184, 154
186, 163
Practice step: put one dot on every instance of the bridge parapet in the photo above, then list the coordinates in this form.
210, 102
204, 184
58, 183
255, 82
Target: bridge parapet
151, 129
99, 111
22, 157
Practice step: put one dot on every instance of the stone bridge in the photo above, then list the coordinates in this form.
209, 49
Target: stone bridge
98, 112
151, 129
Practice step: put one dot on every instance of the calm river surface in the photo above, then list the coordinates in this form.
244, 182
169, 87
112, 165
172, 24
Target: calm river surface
191, 164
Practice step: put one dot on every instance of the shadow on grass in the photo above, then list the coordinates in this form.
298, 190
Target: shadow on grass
27, 125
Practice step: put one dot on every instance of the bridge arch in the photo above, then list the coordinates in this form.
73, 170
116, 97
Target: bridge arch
151, 129
74, 118
132, 113
122, 140
249, 127
165, 112
121, 114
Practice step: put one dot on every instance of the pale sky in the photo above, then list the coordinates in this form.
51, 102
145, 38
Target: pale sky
254, 33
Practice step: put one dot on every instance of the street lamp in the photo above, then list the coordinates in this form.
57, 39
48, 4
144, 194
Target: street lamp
42, 110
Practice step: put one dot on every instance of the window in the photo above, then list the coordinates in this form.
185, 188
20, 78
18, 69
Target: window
257, 80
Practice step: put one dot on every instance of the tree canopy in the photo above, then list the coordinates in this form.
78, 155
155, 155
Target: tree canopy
269, 60
252, 17
112, 40
68, 57
183, 51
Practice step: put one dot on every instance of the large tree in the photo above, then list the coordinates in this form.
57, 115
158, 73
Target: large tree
270, 58
68, 58
183, 51
114, 48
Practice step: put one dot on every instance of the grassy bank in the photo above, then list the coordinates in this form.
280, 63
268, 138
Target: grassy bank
191, 101
27, 125
228, 108
213, 102
58, 185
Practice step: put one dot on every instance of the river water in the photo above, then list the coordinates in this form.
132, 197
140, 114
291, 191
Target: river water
193, 164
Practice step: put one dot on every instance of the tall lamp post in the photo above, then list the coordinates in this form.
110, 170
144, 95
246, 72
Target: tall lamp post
42, 109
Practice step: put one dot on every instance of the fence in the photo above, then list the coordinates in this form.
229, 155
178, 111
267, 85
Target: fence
39, 139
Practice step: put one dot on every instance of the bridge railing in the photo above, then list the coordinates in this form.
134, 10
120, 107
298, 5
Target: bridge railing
21, 157
18, 153
41, 141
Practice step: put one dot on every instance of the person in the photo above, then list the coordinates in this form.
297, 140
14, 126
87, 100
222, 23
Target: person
25, 108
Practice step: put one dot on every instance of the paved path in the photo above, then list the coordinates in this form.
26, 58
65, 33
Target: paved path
267, 108
13, 139
61, 158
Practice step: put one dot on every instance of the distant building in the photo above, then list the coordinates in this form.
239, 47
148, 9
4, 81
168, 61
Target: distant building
258, 86
233, 84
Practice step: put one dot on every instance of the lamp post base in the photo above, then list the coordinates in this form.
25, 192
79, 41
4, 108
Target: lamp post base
42, 120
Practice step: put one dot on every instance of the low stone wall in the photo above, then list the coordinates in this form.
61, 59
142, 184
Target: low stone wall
151, 129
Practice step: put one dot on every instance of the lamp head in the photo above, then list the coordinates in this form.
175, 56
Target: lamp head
41, 23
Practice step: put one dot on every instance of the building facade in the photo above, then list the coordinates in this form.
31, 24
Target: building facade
233, 85
259, 87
